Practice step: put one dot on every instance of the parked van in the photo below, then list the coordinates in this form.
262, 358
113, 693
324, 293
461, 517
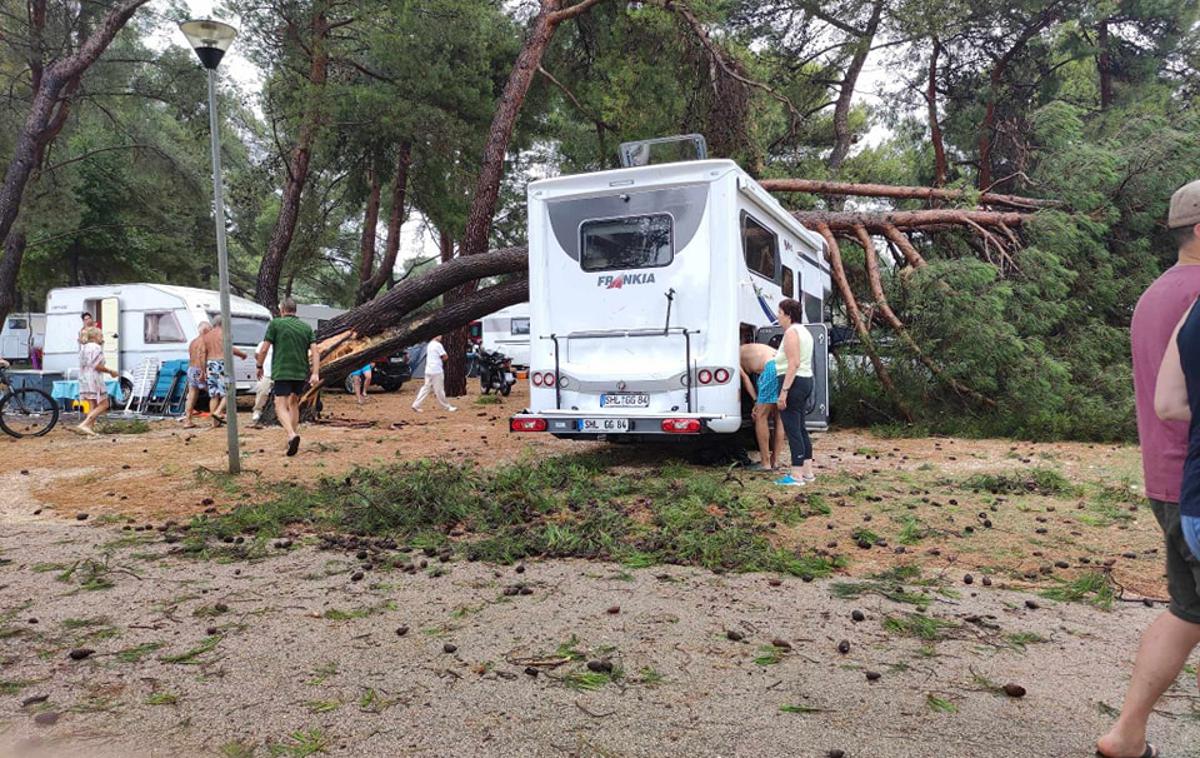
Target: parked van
142, 321
23, 333
644, 281
507, 331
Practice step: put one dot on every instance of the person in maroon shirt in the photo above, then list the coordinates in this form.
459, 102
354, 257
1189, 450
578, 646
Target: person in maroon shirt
1169, 641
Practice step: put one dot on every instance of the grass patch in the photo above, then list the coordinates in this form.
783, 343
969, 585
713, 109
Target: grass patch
123, 426
1092, 588
912, 531
137, 654
568, 506
939, 704
192, 657
91, 575
1035, 481
887, 584
919, 626
161, 698
236, 749
1022, 640
322, 706
321, 673
589, 681
84, 623
300, 744
13, 686
488, 400
801, 709
768, 655
650, 677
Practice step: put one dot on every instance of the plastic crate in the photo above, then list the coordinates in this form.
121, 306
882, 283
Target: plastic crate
38, 380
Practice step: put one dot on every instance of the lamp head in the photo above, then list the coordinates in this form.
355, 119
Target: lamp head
210, 39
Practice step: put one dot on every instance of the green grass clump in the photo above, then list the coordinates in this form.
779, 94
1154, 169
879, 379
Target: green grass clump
488, 400
161, 698
1021, 640
920, 626
1034, 481
939, 704
192, 657
570, 506
801, 709
301, 744
136, 654
1092, 588
123, 426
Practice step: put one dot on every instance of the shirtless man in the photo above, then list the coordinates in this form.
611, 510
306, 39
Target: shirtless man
760, 359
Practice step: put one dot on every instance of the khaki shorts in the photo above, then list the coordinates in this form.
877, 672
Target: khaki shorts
1183, 569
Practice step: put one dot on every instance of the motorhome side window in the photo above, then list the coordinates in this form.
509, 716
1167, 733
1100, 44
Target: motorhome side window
789, 282
519, 326
624, 243
162, 327
760, 246
17, 323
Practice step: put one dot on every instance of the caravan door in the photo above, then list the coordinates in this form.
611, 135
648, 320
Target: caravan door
15, 338
816, 414
110, 324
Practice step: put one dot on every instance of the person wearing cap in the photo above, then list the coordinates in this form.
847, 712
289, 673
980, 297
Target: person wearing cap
1169, 641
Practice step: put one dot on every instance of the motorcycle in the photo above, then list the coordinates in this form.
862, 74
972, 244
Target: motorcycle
495, 372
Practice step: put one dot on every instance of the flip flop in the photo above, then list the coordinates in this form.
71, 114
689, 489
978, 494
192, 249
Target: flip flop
293, 445
1151, 752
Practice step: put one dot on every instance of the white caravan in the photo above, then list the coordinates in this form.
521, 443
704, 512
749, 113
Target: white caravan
643, 283
22, 334
507, 331
142, 321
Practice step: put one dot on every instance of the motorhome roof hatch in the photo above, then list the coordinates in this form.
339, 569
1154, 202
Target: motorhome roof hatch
681, 147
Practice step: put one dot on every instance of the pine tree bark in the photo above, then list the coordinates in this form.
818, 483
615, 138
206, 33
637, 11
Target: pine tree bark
940, 168
842, 138
266, 290
1104, 64
10, 269
366, 245
929, 194
370, 287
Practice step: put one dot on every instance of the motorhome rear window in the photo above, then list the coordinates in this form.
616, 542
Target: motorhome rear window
519, 326
625, 243
161, 327
760, 246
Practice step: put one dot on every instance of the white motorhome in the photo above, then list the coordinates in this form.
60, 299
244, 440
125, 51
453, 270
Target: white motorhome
507, 331
142, 321
315, 314
644, 281
22, 334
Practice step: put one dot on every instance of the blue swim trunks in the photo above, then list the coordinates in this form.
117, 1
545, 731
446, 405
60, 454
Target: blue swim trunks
1191, 533
768, 385
362, 371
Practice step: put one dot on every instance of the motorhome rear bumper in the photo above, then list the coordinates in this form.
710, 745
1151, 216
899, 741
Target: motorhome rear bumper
571, 424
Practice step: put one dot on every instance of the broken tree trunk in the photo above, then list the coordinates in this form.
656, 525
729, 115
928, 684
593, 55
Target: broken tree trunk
345, 355
876, 283
929, 194
844, 222
838, 271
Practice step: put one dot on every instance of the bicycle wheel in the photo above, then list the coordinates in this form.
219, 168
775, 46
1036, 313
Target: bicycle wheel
28, 412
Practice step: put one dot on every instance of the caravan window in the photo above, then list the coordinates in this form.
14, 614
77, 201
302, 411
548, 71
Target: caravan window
520, 326
629, 242
18, 323
246, 330
789, 282
162, 326
760, 246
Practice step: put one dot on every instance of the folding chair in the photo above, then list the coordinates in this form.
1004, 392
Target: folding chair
144, 377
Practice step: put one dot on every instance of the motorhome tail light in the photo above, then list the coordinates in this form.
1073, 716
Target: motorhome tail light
527, 425
721, 375
548, 380
681, 425
536, 378
705, 376
563, 382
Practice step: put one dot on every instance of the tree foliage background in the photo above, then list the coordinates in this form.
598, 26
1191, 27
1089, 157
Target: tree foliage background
1090, 102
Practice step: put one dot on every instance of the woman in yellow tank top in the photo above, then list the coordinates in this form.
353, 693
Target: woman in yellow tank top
793, 363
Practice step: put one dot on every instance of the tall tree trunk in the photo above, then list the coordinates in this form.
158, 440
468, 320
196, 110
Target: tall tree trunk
456, 341
369, 287
842, 138
1104, 64
10, 268
366, 247
935, 128
266, 290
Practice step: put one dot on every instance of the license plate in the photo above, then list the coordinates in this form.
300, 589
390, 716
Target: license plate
625, 400
509, 378
604, 425
396, 359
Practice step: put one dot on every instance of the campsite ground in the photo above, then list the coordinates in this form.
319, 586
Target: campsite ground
280, 650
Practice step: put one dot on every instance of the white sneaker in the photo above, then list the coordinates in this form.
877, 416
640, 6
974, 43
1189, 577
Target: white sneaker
416, 409
451, 409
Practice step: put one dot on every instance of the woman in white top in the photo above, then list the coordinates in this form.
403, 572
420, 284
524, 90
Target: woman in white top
91, 385
794, 364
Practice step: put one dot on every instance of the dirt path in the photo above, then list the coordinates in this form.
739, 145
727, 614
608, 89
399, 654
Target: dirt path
290, 654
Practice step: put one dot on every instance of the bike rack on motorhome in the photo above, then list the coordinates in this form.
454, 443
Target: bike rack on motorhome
644, 281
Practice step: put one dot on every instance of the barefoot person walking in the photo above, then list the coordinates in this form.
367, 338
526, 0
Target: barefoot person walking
1173, 635
195, 374
214, 370
294, 358
91, 385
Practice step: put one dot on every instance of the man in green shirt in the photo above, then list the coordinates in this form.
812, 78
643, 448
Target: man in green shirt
295, 359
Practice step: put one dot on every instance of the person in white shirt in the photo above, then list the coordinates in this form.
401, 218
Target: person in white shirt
262, 390
435, 376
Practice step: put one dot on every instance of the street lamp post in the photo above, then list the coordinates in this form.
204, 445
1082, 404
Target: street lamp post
210, 40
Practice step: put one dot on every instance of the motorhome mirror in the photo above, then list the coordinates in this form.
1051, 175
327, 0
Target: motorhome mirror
676, 149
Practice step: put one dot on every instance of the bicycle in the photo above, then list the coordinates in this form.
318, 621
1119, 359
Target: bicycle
25, 411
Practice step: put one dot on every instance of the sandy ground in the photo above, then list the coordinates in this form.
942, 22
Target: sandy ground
289, 654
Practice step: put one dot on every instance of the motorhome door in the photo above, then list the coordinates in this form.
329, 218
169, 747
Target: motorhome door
816, 414
110, 324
